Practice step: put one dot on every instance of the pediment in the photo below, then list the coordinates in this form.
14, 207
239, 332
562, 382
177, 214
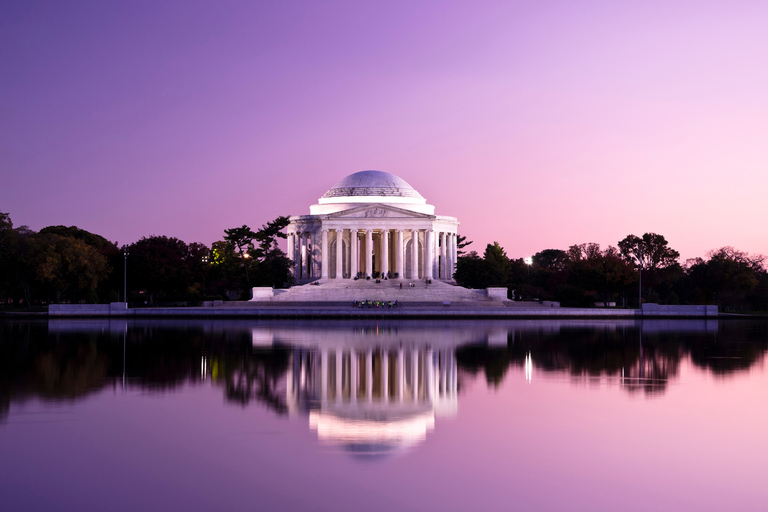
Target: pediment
378, 211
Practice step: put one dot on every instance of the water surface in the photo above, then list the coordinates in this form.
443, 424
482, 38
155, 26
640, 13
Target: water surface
519, 415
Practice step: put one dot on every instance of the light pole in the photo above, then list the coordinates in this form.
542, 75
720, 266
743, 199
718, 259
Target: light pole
529, 262
205, 271
640, 270
125, 274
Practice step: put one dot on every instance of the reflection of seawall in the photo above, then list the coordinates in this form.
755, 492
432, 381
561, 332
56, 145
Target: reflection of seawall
438, 332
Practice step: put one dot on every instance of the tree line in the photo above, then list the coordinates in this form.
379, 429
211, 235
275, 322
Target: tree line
68, 264
639, 269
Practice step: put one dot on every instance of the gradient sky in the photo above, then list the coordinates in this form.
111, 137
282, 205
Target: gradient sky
538, 124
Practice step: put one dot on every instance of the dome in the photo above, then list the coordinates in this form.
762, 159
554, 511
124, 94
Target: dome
372, 184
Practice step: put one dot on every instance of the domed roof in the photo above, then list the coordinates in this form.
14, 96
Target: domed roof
372, 183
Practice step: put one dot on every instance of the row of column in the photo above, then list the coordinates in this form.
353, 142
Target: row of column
439, 252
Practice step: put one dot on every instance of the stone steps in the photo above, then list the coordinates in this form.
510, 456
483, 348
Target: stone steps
347, 290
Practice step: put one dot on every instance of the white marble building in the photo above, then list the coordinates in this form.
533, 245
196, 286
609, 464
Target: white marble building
371, 224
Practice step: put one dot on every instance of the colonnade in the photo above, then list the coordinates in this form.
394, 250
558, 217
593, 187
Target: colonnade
373, 375
397, 253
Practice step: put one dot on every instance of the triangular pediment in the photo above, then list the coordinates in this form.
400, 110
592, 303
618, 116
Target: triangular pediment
378, 211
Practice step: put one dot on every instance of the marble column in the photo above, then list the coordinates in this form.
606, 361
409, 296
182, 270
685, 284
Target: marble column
324, 256
368, 252
454, 253
297, 255
414, 254
429, 253
399, 255
303, 255
353, 261
290, 249
354, 378
339, 253
384, 252
443, 254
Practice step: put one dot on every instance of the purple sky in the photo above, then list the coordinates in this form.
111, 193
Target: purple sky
537, 124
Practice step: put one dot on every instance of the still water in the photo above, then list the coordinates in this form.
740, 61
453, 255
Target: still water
519, 415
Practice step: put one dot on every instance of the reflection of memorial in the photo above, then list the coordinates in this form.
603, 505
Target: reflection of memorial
376, 400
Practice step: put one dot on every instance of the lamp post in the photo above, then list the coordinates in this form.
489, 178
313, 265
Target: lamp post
529, 262
125, 274
205, 271
640, 271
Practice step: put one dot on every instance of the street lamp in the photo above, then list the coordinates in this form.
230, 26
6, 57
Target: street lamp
529, 262
125, 274
640, 274
205, 271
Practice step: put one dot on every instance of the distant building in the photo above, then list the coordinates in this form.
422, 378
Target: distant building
372, 224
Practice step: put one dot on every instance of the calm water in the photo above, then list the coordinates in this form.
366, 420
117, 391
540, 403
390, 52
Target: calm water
524, 415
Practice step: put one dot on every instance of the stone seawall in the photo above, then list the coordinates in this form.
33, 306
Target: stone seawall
318, 310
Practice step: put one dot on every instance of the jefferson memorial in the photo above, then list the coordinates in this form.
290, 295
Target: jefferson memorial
372, 224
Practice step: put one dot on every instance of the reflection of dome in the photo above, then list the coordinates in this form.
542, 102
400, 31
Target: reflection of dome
369, 184
371, 438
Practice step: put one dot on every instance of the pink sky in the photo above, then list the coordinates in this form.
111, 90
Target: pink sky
537, 124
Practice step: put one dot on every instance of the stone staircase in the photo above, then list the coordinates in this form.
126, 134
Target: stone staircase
347, 291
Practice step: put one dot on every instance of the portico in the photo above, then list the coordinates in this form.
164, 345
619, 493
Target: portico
372, 224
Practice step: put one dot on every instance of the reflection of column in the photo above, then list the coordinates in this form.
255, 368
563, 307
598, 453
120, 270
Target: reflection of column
443, 373
339, 253
353, 253
429, 254
323, 375
415, 374
414, 254
400, 374
324, 256
384, 252
384, 376
339, 356
368, 252
369, 375
443, 253
354, 378
430, 364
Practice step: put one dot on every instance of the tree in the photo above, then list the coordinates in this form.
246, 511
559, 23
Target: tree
461, 243
269, 233
160, 266
728, 276
653, 256
650, 252
63, 262
242, 239
551, 259
604, 274
470, 270
496, 265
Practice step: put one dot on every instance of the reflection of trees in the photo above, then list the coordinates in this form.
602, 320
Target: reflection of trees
641, 361
67, 365
257, 378
71, 365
